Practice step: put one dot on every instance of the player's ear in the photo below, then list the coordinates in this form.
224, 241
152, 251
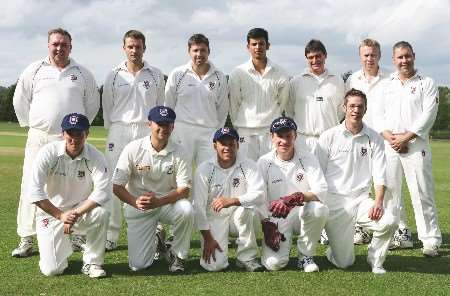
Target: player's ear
215, 146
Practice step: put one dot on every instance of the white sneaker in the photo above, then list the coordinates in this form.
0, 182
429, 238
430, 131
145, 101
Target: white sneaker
78, 242
161, 248
93, 270
251, 265
361, 237
176, 264
307, 263
110, 245
24, 249
431, 252
324, 238
402, 240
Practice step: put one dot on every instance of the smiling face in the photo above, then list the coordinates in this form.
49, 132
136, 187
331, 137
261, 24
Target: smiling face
369, 57
284, 141
199, 53
354, 108
258, 47
134, 50
226, 148
59, 47
75, 140
403, 59
161, 131
316, 62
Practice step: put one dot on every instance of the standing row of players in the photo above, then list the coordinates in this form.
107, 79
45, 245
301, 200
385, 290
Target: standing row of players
258, 92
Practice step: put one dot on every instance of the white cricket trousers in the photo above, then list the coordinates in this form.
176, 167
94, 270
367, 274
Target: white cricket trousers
197, 142
340, 227
141, 231
26, 212
55, 246
307, 221
238, 222
254, 142
120, 134
417, 167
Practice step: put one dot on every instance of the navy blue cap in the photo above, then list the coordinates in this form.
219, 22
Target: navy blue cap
226, 132
283, 122
75, 121
161, 114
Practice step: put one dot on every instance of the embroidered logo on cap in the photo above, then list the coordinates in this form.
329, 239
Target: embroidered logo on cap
163, 112
73, 119
225, 130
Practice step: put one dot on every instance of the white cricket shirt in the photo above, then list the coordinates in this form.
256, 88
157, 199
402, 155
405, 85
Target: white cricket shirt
350, 162
315, 102
255, 99
65, 181
141, 168
300, 174
374, 90
44, 95
410, 106
127, 98
241, 181
202, 102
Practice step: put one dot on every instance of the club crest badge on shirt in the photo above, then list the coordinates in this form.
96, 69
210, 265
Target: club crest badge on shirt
212, 85
146, 84
363, 151
299, 177
413, 89
110, 147
236, 182
169, 169
45, 222
81, 174
73, 77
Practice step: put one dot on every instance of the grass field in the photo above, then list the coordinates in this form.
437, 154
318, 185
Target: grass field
409, 272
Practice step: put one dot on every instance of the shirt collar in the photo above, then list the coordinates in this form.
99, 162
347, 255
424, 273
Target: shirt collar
147, 145
251, 68
325, 74
61, 151
72, 62
380, 75
123, 66
343, 129
395, 75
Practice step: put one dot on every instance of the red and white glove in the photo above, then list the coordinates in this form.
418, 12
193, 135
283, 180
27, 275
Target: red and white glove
281, 207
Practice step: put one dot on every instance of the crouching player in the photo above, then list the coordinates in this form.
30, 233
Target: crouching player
351, 155
226, 191
70, 187
153, 180
295, 186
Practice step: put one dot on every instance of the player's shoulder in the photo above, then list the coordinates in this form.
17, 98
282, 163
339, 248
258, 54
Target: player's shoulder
266, 158
373, 134
137, 144
93, 153
205, 167
154, 69
33, 67
179, 70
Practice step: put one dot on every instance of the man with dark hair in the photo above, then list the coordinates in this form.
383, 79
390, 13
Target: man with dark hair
410, 109
47, 90
198, 92
352, 157
315, 99
131, 89
259, 90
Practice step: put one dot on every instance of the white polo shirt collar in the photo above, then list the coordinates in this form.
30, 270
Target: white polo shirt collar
147, 145
343, 129
61, 149
251, 68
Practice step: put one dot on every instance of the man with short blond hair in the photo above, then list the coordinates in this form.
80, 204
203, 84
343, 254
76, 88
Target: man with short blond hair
46, 91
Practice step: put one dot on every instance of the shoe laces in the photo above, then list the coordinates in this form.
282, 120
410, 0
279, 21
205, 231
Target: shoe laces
306, 260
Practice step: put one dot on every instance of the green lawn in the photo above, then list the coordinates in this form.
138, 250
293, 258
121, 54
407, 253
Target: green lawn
409, 272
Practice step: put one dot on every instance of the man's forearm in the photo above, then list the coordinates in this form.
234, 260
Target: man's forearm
122, 193
49, 208
174, 195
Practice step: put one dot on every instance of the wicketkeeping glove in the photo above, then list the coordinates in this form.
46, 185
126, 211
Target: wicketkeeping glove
272, 236
293, 200
279, 209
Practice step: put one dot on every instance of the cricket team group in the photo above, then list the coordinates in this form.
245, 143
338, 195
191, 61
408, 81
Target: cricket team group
309, 157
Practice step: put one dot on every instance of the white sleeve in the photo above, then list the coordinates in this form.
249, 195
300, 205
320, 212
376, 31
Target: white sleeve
183, 172
283, 92
171, 90
322, 151
161, 97
124, 167
235, 94
255, 187
262, 170
39, 175
378, 161
223, 102
23, 94
316, 179
101, 190
430, 99
108, 99
340, 93
92, 96
200, 199
290, 105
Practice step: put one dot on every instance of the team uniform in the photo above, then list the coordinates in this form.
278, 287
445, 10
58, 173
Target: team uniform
201, 106
242, 181
255, 100
66, 183
350, 163
315, 103
43, 96
374, 90
141, 168
126, 101
412, 106
300, 174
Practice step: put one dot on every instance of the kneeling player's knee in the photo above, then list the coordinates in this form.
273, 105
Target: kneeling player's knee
244, 215
274, 264
99, 215
184, 208
389, 223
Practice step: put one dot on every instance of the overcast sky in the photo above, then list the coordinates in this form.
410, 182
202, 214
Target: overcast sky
97, 28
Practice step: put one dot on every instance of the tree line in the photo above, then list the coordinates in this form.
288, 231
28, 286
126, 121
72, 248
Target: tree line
441, 128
